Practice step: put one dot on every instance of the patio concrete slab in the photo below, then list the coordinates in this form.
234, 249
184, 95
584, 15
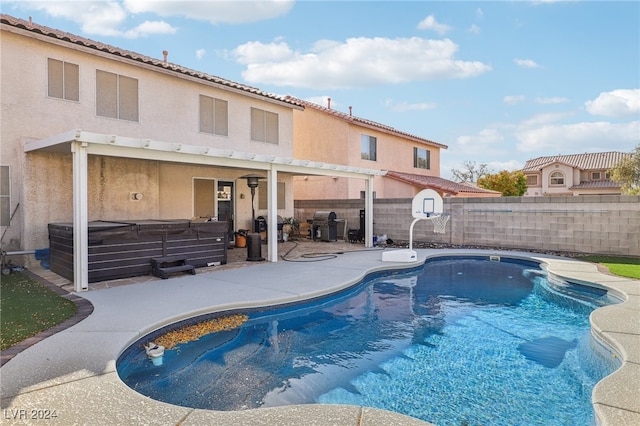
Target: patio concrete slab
96, 400
313, 415
73, 371
608, 391
62, 358
612, 416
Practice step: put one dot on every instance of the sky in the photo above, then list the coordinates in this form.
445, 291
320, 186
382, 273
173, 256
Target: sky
498, 82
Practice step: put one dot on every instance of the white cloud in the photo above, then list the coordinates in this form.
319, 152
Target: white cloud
147, 28
544, 118
485, 147
430, 23
485, 142
617, 103
526, 63
103, 18
543, 135
200, 53
513, 100
216, 12
510, 165
110, 17
356, 62
254, 53
579, 137
474, 29
405, 106
551, 101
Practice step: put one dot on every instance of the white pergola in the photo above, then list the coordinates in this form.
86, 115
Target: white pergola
81, 144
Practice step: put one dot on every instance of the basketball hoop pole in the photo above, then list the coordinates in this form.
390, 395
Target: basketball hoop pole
411, 231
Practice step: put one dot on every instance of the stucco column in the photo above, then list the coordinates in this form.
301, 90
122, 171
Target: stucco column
272, 215
80, 217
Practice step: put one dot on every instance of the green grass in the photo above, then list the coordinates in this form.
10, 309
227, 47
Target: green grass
618, 265
27, 308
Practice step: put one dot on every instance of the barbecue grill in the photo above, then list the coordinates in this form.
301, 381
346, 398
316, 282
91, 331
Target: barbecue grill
325, 226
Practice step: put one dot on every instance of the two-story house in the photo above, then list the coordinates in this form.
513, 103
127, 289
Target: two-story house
575, 174
411, 163
91, 132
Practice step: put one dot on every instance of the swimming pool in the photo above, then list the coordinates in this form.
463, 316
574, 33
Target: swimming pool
456, 340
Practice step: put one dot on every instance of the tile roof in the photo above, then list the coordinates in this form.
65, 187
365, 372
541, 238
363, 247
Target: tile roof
597, 184
105, 48
366, 123
589, 161
439, 184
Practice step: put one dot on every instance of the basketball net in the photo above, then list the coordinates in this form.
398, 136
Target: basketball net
439, 222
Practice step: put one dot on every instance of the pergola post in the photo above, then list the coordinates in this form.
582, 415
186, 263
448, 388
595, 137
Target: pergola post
368, 208
80, 216
272, 215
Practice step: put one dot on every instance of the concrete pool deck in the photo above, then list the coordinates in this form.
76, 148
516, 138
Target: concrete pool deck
73, 371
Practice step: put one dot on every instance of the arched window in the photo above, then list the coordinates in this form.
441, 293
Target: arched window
556, 178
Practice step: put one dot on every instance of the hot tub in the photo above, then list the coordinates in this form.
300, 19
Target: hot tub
121, 249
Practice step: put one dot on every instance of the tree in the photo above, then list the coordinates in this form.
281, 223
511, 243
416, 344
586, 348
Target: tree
471, 173
627, 173
511, 184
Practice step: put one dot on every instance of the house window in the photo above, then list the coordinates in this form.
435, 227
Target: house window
116, 96
5, 196
368, 147
214, 114
262, 196
421, 158
532, 180
596, 176
556, 178
63, 80
264, 126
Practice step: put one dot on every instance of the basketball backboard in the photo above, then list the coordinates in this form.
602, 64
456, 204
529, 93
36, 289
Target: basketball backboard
426, 203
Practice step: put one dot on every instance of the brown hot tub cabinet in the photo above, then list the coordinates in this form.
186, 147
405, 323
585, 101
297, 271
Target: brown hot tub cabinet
121, 249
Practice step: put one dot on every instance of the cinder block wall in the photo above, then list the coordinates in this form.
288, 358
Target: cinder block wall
605, 224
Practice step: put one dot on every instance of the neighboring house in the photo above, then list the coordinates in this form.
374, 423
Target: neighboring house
93, 132
412, 163
576, 174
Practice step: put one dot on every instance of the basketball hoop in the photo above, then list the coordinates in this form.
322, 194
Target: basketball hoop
426, 205
439, 222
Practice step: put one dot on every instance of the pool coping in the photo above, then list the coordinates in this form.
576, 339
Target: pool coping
73, 371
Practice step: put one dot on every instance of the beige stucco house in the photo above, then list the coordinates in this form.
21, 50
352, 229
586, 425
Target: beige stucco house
412, 163
91, 132
575, 174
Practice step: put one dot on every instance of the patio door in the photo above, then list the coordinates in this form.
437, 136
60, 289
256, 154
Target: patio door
226, 204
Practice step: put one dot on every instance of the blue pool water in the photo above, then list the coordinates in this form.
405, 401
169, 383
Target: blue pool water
456, 341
